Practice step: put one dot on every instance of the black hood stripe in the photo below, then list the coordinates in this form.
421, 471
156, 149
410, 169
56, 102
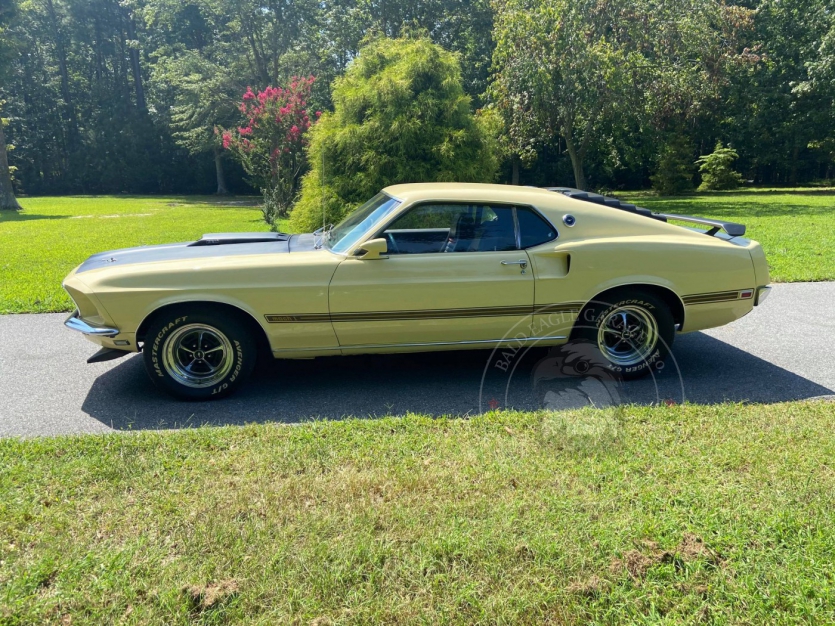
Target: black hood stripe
188, 251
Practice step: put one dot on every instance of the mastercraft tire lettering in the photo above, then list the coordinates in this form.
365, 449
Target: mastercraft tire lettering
633, 331
198, 356
156, 344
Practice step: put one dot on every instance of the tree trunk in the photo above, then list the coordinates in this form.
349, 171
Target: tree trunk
257, 56
98, 48
68, 110
136, 69
7, 200
221, 175
793, 170
514, 176
576, 163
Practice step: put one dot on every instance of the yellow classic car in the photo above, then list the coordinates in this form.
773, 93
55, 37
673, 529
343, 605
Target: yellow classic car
421, 267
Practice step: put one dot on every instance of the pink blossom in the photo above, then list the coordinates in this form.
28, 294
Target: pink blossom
274, 116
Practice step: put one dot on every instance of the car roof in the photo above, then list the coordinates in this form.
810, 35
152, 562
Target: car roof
477, 192
550, 203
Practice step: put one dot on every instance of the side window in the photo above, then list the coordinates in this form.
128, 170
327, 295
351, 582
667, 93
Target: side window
452, 228
533, 229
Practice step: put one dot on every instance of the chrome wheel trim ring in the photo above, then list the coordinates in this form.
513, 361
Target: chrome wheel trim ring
198, 355
628, 335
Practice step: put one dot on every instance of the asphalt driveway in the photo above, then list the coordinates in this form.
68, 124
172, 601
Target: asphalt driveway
784, 350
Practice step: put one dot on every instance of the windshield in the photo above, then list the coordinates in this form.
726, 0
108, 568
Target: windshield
349, 231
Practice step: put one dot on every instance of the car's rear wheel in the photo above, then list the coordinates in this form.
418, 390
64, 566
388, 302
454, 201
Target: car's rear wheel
198, 355
632, 329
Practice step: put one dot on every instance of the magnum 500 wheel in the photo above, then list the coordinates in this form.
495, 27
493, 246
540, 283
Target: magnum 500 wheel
633, 331
198, 356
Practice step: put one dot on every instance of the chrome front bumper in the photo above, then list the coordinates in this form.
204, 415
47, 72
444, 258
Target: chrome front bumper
74, 322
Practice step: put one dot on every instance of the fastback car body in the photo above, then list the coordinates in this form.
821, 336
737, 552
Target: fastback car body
420, 267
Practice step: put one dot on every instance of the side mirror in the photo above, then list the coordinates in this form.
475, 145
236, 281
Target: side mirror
373, 249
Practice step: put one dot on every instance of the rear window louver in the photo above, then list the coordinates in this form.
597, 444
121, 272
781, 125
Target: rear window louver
731, 228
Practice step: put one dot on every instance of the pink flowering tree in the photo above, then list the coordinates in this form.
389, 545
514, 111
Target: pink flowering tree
271, 143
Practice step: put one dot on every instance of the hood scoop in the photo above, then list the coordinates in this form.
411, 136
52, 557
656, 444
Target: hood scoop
222, 239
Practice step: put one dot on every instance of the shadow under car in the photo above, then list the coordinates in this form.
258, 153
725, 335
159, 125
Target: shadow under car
704, 370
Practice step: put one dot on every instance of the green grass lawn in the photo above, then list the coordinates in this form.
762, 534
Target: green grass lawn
43, 243
665, 515
51, 236
795, 227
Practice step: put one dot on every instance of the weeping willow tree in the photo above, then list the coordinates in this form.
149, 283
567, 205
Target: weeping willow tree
400, 115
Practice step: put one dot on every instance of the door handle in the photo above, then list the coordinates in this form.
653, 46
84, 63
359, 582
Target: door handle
522, 263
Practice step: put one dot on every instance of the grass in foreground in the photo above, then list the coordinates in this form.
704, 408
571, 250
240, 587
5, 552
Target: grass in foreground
684, 514
41, 244
795, 227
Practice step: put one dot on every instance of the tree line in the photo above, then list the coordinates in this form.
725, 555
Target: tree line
109, 96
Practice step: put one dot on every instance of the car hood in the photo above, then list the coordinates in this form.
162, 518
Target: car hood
212, 245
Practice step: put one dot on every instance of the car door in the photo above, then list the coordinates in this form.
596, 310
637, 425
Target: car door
453, 273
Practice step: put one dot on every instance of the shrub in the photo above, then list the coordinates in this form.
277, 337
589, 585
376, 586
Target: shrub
400, 115
717, 171
674, 175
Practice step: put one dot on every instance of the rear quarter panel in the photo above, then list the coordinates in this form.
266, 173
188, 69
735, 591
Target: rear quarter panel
609, 248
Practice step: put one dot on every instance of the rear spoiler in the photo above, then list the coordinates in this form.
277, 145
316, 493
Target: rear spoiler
733, 229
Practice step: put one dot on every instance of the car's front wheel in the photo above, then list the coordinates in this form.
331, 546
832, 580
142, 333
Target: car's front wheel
196, 355
633, 331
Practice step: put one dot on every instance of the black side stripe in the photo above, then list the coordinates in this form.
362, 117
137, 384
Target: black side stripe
505, 311
564, 307
716, 296
380, 316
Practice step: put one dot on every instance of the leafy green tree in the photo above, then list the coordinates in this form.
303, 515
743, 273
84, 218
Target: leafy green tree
776, 109
401, 115
122, 95
511, 126
202, 100
575, 65
717, 169
461, 26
